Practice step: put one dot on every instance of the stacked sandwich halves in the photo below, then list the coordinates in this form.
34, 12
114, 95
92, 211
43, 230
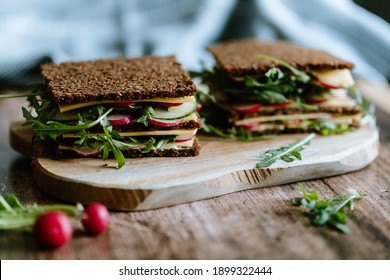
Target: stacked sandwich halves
130, 106
273, 87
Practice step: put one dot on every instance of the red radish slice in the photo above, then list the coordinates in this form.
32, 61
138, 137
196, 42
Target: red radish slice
164, 123
315, 99
168, 104
199, 107
297, 121
184, 137
123, 104
280, 104
119, 119
251, 126
86, 151
325, 85
247, 108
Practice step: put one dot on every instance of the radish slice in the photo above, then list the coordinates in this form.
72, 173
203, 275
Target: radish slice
119, 119
317, 99
184, 137
297, 121
280, 104
252, 126
164, 123
86, 151
325, 85
199, 107
123, 104
168, 104
247, 108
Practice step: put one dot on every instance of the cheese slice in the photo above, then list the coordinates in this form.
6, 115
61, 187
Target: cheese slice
343, 119
338, 77
68, 107
322, 116
141, 133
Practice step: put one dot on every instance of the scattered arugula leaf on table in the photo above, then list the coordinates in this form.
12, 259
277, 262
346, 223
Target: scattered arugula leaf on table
287, 153
330, 212
15, 215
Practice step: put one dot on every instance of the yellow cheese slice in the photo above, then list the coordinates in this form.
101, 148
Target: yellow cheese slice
68, 107
141, 133
342, 119
260, 119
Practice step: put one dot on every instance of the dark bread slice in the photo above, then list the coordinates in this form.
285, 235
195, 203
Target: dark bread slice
120, 79
137, 153
238, 58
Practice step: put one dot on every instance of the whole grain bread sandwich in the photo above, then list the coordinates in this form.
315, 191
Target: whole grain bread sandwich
279, 87
120, 107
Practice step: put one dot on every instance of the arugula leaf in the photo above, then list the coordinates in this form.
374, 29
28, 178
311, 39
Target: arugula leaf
328, 127
299, 74
14, 215
148, 112
53, 129
18, 95
110, 145
328, 212
286, 153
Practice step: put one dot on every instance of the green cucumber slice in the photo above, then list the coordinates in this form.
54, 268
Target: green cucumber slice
175, 112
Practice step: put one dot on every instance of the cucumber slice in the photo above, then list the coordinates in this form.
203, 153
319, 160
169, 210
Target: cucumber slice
175, 112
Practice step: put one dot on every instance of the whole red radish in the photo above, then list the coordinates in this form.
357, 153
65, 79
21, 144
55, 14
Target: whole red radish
96, 218
53, 229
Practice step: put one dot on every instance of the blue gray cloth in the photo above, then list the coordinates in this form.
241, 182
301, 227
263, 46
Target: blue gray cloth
34, 31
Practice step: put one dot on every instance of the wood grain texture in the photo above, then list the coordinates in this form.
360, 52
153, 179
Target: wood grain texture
224, 166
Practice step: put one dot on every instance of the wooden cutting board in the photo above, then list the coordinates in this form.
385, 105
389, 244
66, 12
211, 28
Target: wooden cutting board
224, 166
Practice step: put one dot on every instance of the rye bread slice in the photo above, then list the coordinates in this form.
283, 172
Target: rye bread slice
239, 58
120, 79
192, 151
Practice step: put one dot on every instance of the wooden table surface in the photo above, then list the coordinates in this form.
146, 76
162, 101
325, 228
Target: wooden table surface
254, 224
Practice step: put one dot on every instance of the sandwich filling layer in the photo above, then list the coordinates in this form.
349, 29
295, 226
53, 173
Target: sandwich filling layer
120, 107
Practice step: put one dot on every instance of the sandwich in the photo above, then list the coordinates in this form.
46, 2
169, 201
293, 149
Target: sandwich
277, 87
120, 107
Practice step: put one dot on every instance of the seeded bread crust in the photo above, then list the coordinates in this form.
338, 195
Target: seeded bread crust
120, 79
239, 58
192, 151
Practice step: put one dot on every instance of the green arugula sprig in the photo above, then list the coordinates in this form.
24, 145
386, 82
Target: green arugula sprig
54, 129
302, 76
287, 153
330, 212
328, 128
14, 215
146, 114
